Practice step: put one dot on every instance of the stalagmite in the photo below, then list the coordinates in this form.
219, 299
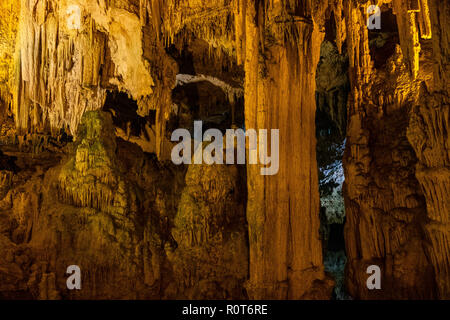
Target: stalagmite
385, 205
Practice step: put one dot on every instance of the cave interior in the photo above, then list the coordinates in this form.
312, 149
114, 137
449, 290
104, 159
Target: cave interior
91, 93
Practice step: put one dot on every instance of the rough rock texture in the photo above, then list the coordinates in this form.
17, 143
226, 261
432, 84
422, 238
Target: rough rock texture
114, 211
333, 85
428, 133
211, 221
66, 70
9, 11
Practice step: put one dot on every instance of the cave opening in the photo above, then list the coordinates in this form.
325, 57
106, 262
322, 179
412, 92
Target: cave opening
382, 43
332, 89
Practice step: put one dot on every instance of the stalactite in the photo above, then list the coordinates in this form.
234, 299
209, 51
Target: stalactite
9, 17
90, 179
115, 212
381, 99
409, 35
291, 266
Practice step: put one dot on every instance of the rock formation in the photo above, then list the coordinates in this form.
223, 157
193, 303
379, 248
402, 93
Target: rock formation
387, 206
210, 222
91, 92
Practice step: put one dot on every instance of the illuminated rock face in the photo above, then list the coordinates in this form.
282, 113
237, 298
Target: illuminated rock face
280, 93
9, 11
389, 199
211, 259
139, 227
68, 58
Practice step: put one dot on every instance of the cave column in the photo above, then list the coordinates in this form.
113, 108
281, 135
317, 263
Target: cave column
283, 210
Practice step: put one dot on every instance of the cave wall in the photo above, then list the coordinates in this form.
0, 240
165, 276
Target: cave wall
9, 12
54, 80
428, 134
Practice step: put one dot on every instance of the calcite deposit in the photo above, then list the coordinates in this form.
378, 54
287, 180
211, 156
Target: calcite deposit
91, 92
